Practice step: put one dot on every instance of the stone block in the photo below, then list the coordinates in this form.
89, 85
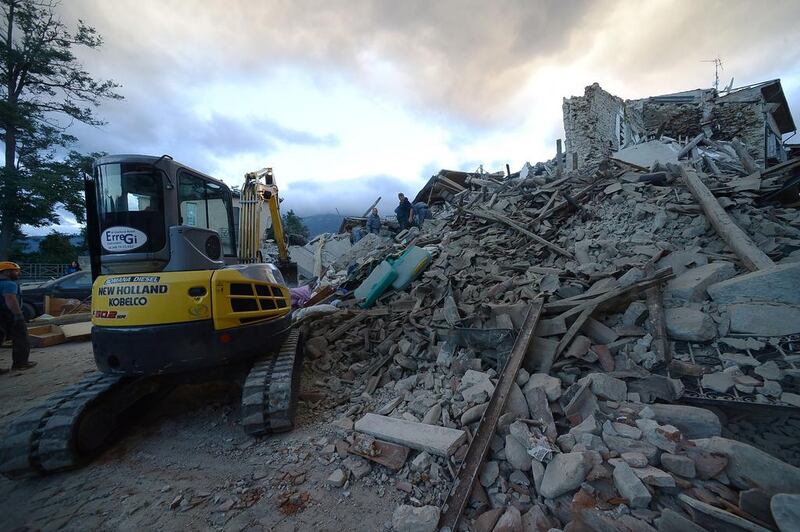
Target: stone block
564, 473
777, 285
690, 325
630, 486
680, 465
691, 285
765, 319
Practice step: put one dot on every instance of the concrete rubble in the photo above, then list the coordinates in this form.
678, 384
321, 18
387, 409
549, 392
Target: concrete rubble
657, 343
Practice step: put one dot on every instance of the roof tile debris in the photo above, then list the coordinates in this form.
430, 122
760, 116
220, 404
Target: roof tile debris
660, 389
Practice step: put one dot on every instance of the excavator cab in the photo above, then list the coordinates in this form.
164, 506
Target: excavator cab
154, 214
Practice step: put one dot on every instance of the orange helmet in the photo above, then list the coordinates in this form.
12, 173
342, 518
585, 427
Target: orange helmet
8, 265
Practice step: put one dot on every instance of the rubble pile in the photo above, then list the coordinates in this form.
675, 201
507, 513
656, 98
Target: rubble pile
630, 410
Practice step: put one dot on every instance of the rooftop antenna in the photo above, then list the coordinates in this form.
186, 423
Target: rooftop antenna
717, 67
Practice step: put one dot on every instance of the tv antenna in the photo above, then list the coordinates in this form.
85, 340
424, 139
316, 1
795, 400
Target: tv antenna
717, 67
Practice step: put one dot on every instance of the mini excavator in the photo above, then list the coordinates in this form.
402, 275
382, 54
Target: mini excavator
174, 301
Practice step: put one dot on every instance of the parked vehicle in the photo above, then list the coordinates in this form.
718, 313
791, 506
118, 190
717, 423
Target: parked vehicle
76, 285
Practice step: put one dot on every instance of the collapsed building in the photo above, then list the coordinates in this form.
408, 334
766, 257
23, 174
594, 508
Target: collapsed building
599, 124
609, 340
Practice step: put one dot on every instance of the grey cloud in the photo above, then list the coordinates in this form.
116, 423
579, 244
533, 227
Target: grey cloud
463, 58
224, 135
165, 128
351, 197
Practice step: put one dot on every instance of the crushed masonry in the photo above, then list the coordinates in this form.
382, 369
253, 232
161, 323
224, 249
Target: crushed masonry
668, 270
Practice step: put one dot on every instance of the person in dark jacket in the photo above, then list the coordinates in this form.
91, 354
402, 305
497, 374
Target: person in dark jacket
12, 321
420, 213
73, 267
374, 222
404, 212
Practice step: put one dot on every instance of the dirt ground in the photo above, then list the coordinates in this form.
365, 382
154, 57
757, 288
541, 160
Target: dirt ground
186, 466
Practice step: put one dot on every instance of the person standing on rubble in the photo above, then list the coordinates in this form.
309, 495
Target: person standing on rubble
374, 222
420, 213
12, 320
404, 212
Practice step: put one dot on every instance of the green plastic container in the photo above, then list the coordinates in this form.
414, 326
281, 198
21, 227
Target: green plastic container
375, 284
409, 265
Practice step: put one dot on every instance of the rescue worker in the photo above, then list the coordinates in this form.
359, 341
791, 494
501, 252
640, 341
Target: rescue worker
12, 320
374, 222
403, 212
420, 213
356, 234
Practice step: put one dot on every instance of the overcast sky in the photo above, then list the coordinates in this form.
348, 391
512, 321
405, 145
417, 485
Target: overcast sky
352, 100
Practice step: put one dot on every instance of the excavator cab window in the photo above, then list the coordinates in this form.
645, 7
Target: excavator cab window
207, 204
130, 205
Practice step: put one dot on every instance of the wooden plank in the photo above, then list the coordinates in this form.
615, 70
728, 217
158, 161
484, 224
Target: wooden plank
45, 335
747, 161
320, 295
468, 472
600, 301
440, 441
61, 320
694, 142
496, 217
559, 161
572, 331
551, 327
751, 256
782, 167
712, 165
718, 517
658, 321
599, 332
77, 331
346, 326
389, 455
318, 257
562, 305
366, 213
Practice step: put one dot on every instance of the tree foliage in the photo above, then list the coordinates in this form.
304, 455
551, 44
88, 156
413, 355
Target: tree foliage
44, 90
56, 248
294, 226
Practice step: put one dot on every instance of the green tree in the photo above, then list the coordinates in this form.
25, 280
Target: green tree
56, 248
44, 90
295, 228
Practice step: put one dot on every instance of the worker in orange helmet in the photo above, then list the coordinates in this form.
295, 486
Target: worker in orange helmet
12, 321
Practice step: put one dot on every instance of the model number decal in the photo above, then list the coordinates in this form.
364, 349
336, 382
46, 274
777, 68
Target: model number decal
109, 314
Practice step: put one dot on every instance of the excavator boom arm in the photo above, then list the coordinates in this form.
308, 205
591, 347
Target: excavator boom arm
277, 224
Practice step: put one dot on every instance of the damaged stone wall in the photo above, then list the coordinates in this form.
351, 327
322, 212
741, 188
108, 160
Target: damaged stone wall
599, 122
672, 119
592, 124
744, 120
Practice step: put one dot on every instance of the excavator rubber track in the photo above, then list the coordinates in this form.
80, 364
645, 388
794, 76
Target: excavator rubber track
270, 392
44, 439
72, 426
